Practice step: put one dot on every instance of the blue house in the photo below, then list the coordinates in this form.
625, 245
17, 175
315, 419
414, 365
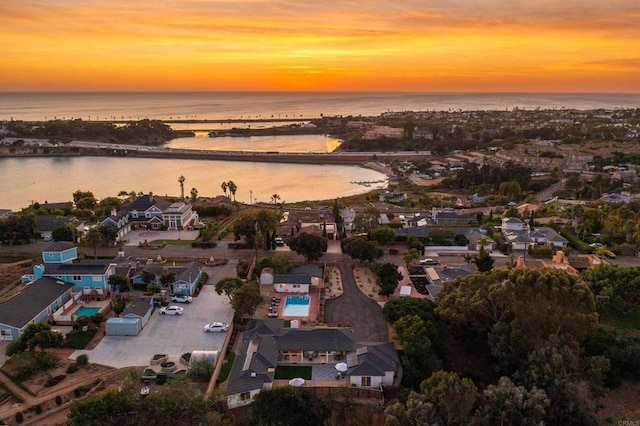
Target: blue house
34, 304
187, 276
60, 263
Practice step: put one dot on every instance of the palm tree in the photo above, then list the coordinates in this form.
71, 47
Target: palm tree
194, 195
232, 189
275, 198
224, 188
181, 179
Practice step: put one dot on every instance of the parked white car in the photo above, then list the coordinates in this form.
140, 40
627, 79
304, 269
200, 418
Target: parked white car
181, 298
429, 262
214, 327
172, 310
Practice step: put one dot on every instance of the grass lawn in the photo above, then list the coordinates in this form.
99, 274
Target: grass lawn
79, 340
630, 321
226, 367
288, 372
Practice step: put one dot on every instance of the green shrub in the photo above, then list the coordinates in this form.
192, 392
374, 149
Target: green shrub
82, 359
38, 409
71, 369
97, 318
19, 417
58, 400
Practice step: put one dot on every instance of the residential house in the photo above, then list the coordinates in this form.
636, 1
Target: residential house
66, 206
267, 344
151, 212
300, 279
348, 216
45, 224
37, 301
513, 224
437, 276
451, 217
479, 239
186, 281
89, 276
315, 222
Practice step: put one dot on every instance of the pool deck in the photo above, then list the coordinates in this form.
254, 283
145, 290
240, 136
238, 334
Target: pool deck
268, 293
101, 305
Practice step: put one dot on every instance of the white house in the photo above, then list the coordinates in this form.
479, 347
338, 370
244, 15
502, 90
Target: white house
268, 344
513, 224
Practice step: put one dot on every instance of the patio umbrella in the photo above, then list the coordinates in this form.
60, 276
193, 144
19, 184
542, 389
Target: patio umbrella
296, 381
342, 367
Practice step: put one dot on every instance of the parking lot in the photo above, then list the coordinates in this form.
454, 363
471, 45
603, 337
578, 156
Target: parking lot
167, 334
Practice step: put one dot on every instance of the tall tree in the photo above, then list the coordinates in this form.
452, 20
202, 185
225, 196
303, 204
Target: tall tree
452, 397
228, 286
311, 246
484, 262
383, 235
389, 276
194, 195
510, 405
181, 180
224, 188
121, 282
232, 189
94, 239
246, 298
361, 248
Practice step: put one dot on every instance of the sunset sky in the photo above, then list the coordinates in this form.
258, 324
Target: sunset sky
369, 45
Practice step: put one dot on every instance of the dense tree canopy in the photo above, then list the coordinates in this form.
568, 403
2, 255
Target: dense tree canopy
361, 248
311, 246
538, 303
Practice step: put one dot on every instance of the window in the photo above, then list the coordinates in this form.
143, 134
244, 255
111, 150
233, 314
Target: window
365, 381
296, 286
77, 278
244, 396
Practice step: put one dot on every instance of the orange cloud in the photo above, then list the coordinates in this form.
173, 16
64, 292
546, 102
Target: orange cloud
290, 45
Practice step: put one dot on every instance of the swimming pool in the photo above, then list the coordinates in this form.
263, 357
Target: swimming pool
86, 311
296, 306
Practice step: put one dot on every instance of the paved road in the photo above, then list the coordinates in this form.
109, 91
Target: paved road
354, 308
167, 334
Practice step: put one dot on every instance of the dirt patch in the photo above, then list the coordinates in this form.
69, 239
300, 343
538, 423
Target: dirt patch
367, 283
620, 404
10, 274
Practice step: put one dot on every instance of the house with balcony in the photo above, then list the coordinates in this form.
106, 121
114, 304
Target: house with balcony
151, 212
267, 344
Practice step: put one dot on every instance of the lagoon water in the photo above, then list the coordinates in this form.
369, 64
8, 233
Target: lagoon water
24, 180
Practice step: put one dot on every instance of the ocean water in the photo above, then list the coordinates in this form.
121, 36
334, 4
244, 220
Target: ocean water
281, 105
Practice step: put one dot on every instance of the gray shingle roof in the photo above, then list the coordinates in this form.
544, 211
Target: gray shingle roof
292, 279
83, 268
33, 299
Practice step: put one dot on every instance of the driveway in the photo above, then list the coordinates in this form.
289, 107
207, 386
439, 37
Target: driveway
364, 315
134, 238
167, 334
